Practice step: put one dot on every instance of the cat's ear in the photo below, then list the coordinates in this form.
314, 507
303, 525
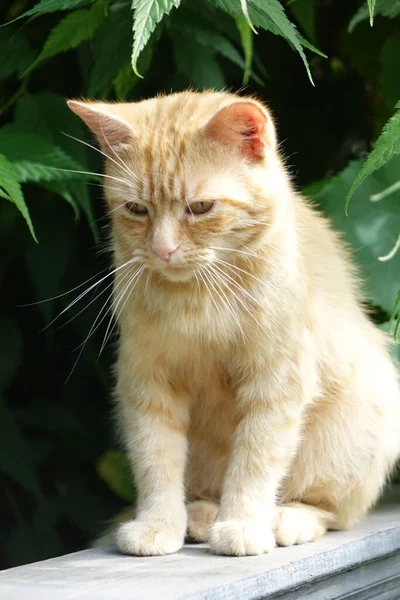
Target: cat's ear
245, 125
110, 129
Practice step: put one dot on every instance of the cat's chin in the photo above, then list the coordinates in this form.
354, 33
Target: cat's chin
178, 275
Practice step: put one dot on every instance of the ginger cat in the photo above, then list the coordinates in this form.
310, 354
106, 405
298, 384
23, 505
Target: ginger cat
258, 404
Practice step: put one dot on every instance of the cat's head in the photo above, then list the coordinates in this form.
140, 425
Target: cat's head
190, 179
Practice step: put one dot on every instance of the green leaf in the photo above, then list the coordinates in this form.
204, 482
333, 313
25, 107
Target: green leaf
246, 37
49, 6
304, 13
125, 80
270, 15
46, 114
15, 51
371, 229
9, 183
114, 469
385, 8
197, 63
215, 42
386, 146
61, 189
116, 33
146, 15
371, 8
71, 31
245, 11
79, 192
34, 159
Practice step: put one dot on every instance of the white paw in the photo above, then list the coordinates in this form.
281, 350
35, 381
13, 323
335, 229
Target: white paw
148, 539
296, 526
241, 538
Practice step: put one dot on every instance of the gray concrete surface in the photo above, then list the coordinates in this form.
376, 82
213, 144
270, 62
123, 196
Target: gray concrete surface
360, 564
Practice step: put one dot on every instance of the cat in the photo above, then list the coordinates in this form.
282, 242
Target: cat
258, 403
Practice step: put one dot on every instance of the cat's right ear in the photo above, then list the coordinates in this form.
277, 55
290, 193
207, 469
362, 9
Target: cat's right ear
110, 129
244, 125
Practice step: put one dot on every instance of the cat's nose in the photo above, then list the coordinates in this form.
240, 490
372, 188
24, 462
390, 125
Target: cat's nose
164, 252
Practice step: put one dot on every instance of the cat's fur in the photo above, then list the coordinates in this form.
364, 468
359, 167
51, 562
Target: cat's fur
251, 385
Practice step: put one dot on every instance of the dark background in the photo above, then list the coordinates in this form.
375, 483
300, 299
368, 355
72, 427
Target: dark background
59, 480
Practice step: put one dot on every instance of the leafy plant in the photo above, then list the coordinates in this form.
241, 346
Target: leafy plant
61, 474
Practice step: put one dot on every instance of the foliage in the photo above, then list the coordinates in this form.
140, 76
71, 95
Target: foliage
60, 470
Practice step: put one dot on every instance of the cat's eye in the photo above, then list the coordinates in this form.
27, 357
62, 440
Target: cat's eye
135, 208
199, 208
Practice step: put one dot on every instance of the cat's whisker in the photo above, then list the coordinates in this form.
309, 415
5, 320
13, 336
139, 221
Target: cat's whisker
71, 304
86, 306
203, 276
223, 280
149, 276
119, 163
122, 275
240, 287
114, 319
64, 293
252, 254
124, 181
230, 265
198, 282
103, 309
225, 302
108, 187
92, 330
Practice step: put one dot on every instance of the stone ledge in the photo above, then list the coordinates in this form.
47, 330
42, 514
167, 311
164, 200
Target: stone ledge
360, 564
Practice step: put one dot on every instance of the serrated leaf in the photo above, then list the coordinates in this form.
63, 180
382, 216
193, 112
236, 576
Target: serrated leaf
9, 183
385, 8
49, 6
304, 12
71, 31
386, 146
35, 159
270, 15
146, 15
114, 469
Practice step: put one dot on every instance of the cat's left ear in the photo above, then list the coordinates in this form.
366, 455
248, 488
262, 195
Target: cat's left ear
111, 130
245, 125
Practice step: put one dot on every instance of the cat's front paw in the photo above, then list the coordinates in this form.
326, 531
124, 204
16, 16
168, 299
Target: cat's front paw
241, 538
148, 539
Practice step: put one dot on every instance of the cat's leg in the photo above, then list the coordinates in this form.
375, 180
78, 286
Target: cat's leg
298, 523
156, 434
264, 442
201, 515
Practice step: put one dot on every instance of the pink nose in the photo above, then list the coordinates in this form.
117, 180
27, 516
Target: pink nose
164, 253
